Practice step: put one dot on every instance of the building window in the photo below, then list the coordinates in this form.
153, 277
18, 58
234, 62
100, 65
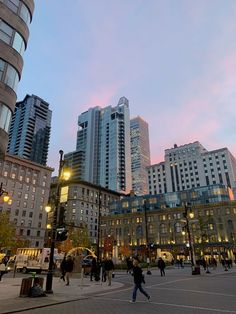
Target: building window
8, 75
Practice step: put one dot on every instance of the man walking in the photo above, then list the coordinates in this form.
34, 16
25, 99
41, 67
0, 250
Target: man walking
161, 265
109, 267
69, 265
138, 280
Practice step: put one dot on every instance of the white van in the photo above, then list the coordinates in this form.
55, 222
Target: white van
33, 259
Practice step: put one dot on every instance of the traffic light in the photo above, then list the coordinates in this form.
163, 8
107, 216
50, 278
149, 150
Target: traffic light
62, 234
61, 216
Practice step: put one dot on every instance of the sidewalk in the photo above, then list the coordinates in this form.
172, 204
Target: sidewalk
10, 302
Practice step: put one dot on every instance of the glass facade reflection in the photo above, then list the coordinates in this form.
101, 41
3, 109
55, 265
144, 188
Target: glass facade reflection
8, 75
19, 8
5, 117
11, 37
202, 195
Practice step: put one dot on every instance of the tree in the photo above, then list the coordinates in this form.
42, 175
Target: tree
7, 231
125, 250
79, 237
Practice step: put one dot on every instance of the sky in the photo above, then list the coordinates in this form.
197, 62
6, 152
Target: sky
175, 61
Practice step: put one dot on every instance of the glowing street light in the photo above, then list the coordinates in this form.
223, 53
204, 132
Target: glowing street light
188, 213
63, 175
4, 194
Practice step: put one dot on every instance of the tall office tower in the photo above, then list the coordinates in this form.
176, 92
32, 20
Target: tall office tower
30, 129
103, 139
191, 165
140, 155
15, 17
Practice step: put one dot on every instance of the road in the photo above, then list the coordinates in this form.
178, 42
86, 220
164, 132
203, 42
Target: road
178, 292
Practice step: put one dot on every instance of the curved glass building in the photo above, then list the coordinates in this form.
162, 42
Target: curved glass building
15, 17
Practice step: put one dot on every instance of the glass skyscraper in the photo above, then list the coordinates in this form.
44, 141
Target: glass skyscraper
103, 146
140, 155
30, 130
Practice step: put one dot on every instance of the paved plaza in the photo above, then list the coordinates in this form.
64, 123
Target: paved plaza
177, 292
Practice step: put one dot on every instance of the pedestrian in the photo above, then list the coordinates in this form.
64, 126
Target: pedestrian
109, 268
69, 265
161, 265
138, 281
2, 270
129, 265
93, 271
177, 262
203, 262
5, 260
104, 274
62, 268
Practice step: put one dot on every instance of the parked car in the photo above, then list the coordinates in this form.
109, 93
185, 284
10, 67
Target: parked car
87, 260
87, 263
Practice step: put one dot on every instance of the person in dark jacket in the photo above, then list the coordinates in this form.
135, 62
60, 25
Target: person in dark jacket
161, 265
62, 268
138, 280
109, 268
93, 271
69, 265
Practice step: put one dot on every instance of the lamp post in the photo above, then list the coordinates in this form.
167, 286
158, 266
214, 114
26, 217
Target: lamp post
188, 213
99, 221
56, 213
4, 194
147, 239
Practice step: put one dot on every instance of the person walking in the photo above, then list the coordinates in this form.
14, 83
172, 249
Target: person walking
104, 274
69, 265
62, 268
2, 270
129, 265
138, 280
161, 265
93, 271
109, 267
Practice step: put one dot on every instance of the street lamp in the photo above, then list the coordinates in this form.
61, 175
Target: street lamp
99, 221
148, 252
56, 213
4, 194
188, 213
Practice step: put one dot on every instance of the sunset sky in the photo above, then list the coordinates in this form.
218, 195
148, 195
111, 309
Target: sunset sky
175, 60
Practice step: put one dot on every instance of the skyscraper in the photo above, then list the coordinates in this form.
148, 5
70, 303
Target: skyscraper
15, 17
140, 155
103, 143
30, 129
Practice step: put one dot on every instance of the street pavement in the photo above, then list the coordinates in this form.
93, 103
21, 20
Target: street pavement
178, 292
11, 302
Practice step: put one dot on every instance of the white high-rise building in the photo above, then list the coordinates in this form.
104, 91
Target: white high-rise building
191, 165
140, 155
103, 144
